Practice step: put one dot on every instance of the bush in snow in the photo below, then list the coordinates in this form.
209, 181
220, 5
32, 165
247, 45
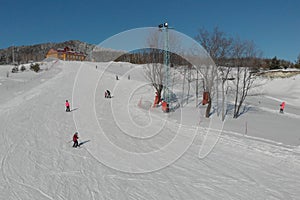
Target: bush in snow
14, 70
23, 68
35, 67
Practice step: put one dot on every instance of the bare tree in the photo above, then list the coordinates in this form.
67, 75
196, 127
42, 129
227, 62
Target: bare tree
209, 77
183, 83
154, 71
189, 79
225, 71
245, 54
218, 45
231, 57
225, 51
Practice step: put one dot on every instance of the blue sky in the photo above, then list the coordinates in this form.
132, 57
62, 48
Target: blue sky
273, 25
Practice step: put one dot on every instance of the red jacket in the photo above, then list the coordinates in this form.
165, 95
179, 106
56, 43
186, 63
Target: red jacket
75, 137
282, 105
67, 104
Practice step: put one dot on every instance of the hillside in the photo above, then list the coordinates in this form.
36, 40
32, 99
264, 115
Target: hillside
129, 151
23, 54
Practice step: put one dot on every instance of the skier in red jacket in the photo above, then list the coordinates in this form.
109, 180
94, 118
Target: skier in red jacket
67, 106
75, 140
282, 105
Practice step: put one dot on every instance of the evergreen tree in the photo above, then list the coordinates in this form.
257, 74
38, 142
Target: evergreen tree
297, 65
275, 63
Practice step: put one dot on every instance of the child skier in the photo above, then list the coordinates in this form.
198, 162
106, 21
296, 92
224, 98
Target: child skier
75, 140
282, 105
107, 94
67, 106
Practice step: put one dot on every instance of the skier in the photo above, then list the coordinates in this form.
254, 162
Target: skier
75, 140
107, 94
165, 106
67, 106
117, 78
282, 105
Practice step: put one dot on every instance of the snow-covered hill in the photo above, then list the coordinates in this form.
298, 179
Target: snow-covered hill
132, 152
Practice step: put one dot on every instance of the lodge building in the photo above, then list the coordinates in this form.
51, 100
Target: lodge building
66, 54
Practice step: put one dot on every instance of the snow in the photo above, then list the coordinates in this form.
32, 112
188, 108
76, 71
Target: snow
139, 152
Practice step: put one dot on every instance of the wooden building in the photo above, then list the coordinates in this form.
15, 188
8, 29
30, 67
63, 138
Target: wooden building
66, 54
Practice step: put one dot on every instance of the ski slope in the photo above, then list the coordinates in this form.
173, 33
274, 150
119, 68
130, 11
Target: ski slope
154, 155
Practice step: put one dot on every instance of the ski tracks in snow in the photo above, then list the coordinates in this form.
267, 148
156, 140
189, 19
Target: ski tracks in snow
12, 170
37, 163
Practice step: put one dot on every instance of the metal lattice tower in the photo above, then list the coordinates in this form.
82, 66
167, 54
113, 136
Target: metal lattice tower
167, 65
164, 27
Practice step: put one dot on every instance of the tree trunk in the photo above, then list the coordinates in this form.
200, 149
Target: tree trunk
236, 93
182, 98
236, 115
197, 87
217, 88
207, 113
223, 100
189, 82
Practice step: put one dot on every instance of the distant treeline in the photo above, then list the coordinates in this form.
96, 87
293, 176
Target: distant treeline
144, 56
25, 54
148, 55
